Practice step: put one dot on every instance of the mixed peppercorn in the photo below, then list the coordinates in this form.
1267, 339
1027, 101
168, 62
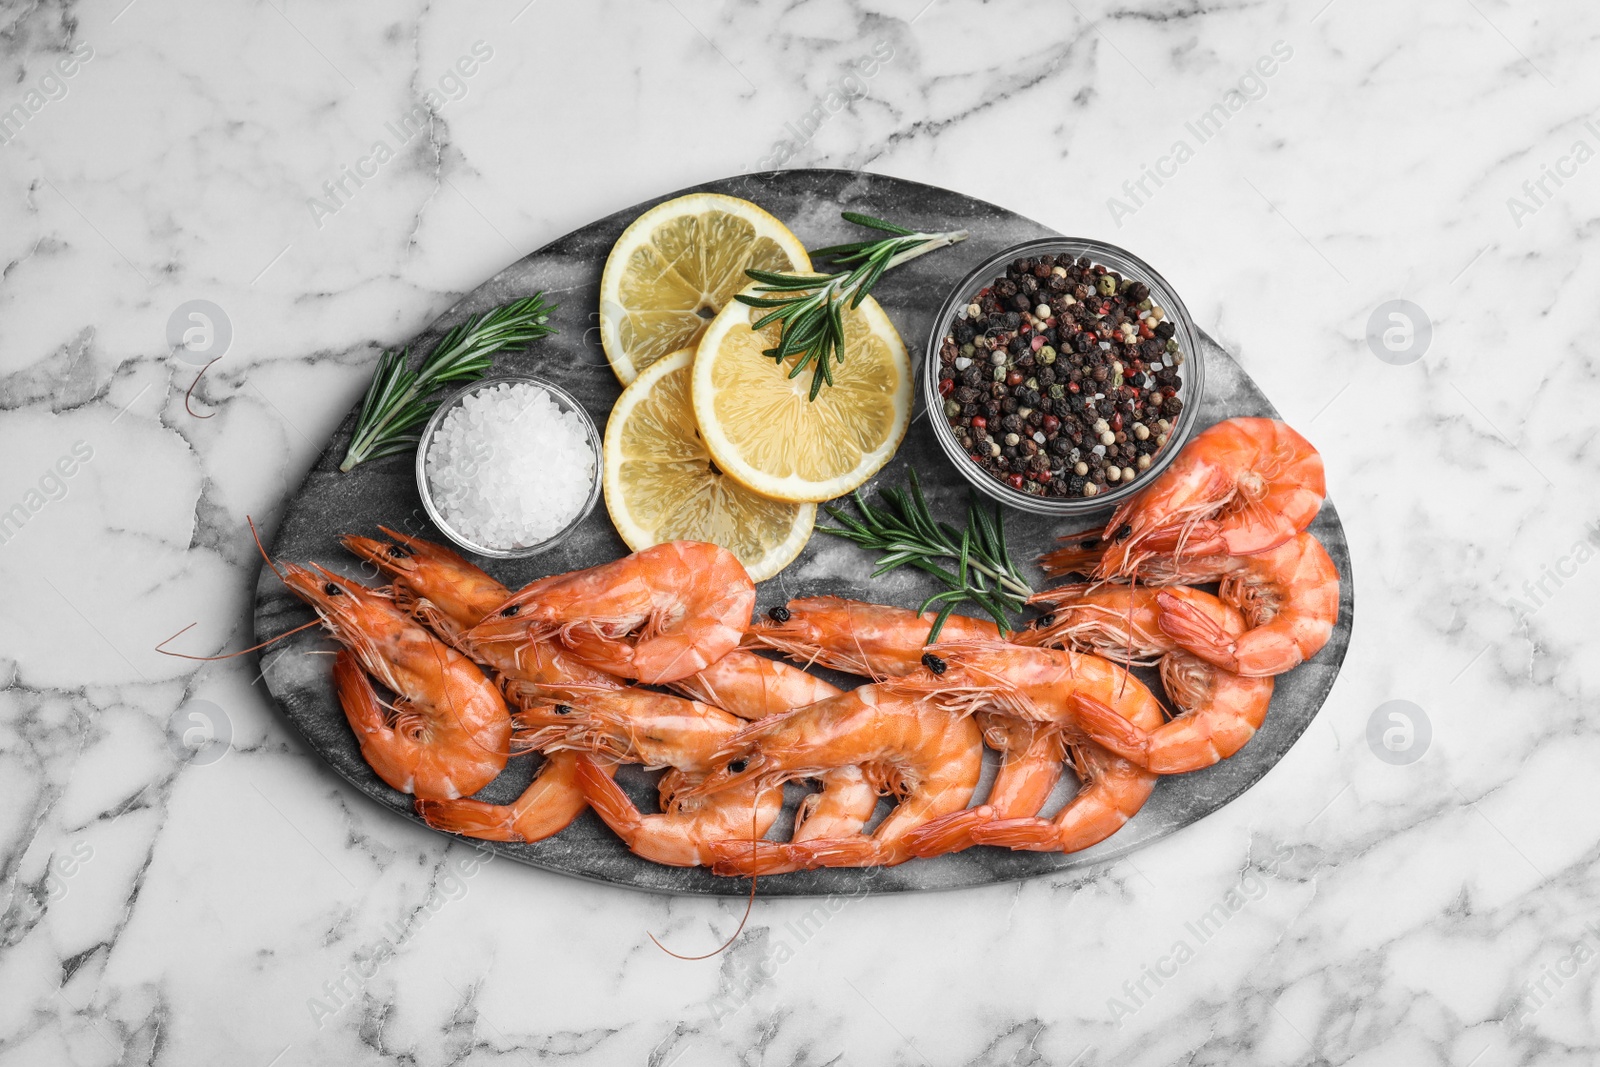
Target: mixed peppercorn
1061, 377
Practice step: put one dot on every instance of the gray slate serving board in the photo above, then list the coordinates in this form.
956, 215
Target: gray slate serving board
329, 503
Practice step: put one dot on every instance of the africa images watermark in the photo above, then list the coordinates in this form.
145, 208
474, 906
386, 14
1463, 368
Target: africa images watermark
1552, 576
1553, 977
52, 486
339, 190
802, 931
1251, 87
52, 86
1536, 191
342, 990
852, 86
1252, 887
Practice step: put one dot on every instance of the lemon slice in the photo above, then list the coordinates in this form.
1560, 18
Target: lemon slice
765, 432
679, 264
660, 484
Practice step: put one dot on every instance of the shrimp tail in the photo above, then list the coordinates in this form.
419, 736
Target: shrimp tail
1108, 727
548, 806
607, 799
1196, 632
842, 852
1023, 835
745, 858
948, 833
369, 720
470, 818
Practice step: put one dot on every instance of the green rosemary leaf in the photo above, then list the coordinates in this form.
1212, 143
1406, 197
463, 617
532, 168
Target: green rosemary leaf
904, 532
877, 224
938, 624
812, 322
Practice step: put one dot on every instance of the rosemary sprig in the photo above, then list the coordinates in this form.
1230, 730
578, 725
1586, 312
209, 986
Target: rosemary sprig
399, 399
813, 311
905, 531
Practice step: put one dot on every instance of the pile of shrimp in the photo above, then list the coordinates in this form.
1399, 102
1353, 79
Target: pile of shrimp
654, 660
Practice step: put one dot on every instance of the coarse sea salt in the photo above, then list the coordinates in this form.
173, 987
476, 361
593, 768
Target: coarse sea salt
507, 468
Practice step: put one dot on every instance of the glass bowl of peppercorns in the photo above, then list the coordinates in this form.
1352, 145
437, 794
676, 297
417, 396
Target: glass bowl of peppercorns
1064, 375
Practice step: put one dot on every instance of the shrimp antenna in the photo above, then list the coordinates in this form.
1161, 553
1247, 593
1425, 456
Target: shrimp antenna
230, 655
749, 904
190, 391
275, 570
264, 557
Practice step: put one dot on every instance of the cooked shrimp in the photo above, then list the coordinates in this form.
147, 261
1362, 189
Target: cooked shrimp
1218, 710
546, 807
693, 830
658, 615
753, 686
446, 732
630, 725
1289, 596
1039, 685
656, 730
928, 758
872, 640
1111, 791
1031, 757
1240, 487
451, 595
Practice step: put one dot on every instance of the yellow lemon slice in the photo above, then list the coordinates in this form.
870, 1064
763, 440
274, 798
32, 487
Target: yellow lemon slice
679, 264
764, 431
660, 484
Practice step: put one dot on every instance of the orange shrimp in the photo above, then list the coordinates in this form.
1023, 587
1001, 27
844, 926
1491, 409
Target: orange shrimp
754, 687
871, 640
1289, 596
1243, 486
928, 758
1040, 685
657, 730
1031, 762
694, 830
888, 642
448, 731
450, 595
1111, 791
546, 807
1218, 710
658, 615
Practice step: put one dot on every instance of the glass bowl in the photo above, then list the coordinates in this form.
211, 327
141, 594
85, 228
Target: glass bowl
564, 401
1161, 294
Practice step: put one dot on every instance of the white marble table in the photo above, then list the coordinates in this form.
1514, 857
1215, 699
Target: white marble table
230, 901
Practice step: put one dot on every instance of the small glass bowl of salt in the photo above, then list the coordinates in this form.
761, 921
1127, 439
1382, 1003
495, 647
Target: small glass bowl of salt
509, 466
